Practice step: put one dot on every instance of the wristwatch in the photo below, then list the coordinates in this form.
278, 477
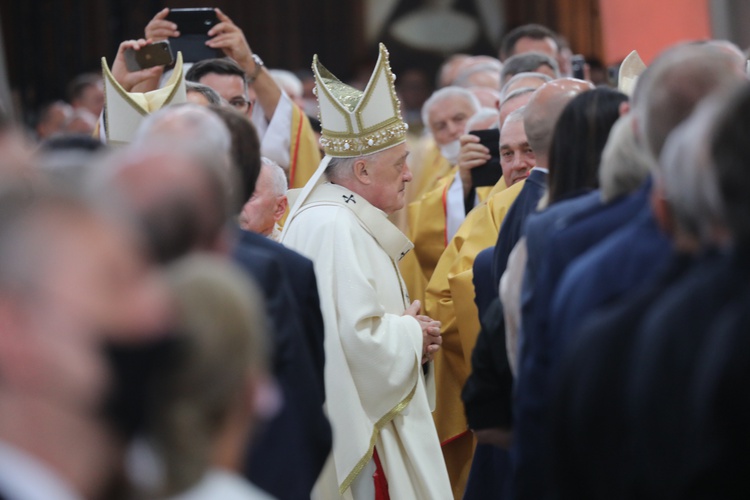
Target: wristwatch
258, 67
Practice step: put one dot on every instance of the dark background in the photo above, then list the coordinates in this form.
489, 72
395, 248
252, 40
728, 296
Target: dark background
49, 42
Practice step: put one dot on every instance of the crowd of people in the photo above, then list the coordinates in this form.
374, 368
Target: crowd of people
207, 293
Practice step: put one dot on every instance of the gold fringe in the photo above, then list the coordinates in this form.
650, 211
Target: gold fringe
385, 419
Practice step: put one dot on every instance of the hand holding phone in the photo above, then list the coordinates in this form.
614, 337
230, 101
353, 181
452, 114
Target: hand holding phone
489, 173
154, 54
189, 29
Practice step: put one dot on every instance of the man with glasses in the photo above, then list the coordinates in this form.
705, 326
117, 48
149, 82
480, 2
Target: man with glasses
243, 81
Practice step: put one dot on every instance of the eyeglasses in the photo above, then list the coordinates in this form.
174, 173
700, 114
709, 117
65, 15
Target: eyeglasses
241, 104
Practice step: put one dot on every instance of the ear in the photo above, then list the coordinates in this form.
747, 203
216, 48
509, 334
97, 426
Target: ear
624, 108
361, 172
281, 207
662, 211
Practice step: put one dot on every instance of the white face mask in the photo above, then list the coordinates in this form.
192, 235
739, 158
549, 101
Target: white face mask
450, 151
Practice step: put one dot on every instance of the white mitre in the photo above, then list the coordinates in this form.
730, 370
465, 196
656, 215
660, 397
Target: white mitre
354, 122
630, 69
124, 111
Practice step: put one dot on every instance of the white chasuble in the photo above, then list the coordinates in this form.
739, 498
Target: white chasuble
376, 393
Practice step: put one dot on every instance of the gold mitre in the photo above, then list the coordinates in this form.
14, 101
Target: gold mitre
358, 123
630, 69
124, 111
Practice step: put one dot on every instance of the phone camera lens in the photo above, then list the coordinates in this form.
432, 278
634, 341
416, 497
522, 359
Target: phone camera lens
207, 22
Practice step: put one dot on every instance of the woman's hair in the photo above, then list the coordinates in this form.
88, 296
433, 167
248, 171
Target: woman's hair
579, 139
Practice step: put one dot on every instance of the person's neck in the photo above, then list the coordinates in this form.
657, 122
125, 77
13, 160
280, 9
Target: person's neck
230, 443
542, 161
77, 449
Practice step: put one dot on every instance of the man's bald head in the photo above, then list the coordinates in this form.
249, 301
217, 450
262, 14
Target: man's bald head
676, 82
543, 110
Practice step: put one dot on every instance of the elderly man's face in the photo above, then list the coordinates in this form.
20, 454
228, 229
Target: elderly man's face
448, 119
516, 156
264, 208
388, 175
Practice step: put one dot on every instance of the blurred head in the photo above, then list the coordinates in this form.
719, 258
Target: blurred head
687, 201
729, 153
380, 178
524, 80
227, 78
515, 100
480, 75
529, 62
290, 84
671, 87
445, 114
529, 38
484, 119
625, 163
208, 401
516, 156
52, 118
179, 202
488, 98
544, 109
268, 203
203, 95
245, 152
450, 68
579, 138
87, 92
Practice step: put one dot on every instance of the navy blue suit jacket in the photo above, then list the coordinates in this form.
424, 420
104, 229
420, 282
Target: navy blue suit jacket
510, 230
623, 262
298, 438
560, 248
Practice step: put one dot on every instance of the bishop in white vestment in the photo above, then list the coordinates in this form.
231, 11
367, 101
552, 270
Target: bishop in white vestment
378, 397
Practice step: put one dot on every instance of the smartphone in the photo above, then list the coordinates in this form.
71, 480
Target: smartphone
193, 25
154, 54
489, 173
577, 63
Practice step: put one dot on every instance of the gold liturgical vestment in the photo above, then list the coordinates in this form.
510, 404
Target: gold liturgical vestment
449, 299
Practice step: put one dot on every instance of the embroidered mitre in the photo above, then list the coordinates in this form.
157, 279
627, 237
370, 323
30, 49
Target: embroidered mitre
358, 122
124, 111
630, 69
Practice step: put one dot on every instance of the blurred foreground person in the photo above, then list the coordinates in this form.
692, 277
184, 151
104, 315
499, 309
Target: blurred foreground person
209, 399
73, 287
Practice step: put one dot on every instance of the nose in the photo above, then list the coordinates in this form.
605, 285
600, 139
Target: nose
407, 176
454, 130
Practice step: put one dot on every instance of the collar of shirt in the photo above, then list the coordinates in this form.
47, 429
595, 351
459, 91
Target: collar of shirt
23, 477
541, 169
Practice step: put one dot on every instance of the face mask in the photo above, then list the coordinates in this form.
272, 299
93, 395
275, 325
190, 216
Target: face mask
135, 368
450, 151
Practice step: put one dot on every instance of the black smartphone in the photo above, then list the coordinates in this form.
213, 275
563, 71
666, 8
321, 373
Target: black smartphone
489, 173
154, 54
193, 25
577, 63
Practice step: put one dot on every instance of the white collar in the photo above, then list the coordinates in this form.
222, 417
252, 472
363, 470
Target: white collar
23, 477
541, 169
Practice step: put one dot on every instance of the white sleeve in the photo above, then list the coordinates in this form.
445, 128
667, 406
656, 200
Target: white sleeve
275, 136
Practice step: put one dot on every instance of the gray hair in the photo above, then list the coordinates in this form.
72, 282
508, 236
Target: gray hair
674, 84
527, 62
210, 94
625, 163
287, 81
339, 169
463, 78
278, 176
516, 116
447, 93
520, 76
688, 174
483, 115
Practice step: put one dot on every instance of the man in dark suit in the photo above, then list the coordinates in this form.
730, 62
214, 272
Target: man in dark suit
625, 381
657, 112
